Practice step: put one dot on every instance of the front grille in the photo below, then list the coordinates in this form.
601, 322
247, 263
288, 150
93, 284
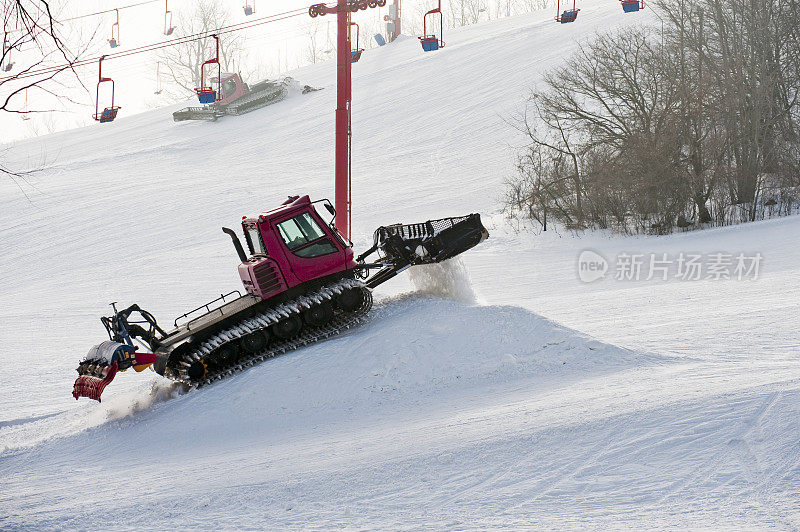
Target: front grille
267, 278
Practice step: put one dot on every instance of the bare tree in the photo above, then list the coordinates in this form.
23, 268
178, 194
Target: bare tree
739, 66
35, 55
465, 12
36, 58
644, 133
183, 62
317, 43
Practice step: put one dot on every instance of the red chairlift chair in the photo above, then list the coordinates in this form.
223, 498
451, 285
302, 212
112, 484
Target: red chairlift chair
208, 94
159, 89
7, 63
25, 115
249, 9
356, 53
568, 15
113, 42
109, 113
632, 6
432, 42
168, 27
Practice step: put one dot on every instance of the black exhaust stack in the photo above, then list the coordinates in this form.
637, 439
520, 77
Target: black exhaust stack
236, 243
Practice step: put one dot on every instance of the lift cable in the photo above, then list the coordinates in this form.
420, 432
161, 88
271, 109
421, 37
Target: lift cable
156, 46
109, 10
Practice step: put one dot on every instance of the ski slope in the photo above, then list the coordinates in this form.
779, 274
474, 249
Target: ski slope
537, 400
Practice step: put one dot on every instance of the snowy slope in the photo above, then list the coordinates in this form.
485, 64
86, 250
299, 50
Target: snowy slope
682, 411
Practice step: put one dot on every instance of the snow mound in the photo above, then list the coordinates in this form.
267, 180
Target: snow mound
31, 431
412, 348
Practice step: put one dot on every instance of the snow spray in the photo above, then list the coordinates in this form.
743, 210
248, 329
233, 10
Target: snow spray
159, 391
448, 279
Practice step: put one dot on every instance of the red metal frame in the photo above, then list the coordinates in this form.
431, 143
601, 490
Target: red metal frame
168, 27
428, 38
355, 53
25, 114
344, 96
113, 42
7, 64
560, 15
158, 78
109, 113
207, 90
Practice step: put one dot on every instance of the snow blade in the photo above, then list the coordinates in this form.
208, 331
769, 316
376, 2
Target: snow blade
401, 246
92, 387
431, 241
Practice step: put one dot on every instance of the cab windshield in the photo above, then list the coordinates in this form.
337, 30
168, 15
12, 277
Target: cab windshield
299, 231
304, 237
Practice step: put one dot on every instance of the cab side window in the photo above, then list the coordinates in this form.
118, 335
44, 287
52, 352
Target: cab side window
304, 237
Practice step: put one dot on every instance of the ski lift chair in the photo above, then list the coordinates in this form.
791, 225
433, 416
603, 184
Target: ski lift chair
25, 115
7, 64
113, 42
168, 27
356, 54
632, 6
432, 42
109, 113
568, 15
208, 94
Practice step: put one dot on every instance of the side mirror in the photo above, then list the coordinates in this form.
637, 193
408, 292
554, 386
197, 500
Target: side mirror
330, 209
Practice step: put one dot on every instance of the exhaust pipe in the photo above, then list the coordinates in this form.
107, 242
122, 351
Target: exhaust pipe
236, 243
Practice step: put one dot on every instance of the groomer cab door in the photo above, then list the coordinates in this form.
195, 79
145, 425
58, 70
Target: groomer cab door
311, 250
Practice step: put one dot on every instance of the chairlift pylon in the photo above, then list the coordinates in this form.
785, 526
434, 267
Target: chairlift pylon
356, 52
568, 15
432, 41
168, 27
206, 94
114, 41
109, 113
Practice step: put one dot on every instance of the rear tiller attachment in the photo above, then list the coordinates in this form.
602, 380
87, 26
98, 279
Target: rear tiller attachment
101, 364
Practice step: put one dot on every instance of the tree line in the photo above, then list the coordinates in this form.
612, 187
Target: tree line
690, 123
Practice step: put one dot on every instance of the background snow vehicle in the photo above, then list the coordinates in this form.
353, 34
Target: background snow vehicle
240, 98
303, 283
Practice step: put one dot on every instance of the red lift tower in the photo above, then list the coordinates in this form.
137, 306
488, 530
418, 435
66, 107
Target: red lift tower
344, 61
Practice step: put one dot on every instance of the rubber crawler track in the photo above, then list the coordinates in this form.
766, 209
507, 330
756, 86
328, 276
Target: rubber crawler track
308, 334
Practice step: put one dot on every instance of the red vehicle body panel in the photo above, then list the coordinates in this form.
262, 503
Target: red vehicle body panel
280, 269
231, 96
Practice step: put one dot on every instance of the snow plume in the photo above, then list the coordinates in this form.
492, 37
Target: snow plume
116, 406
448, 279
126, 405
